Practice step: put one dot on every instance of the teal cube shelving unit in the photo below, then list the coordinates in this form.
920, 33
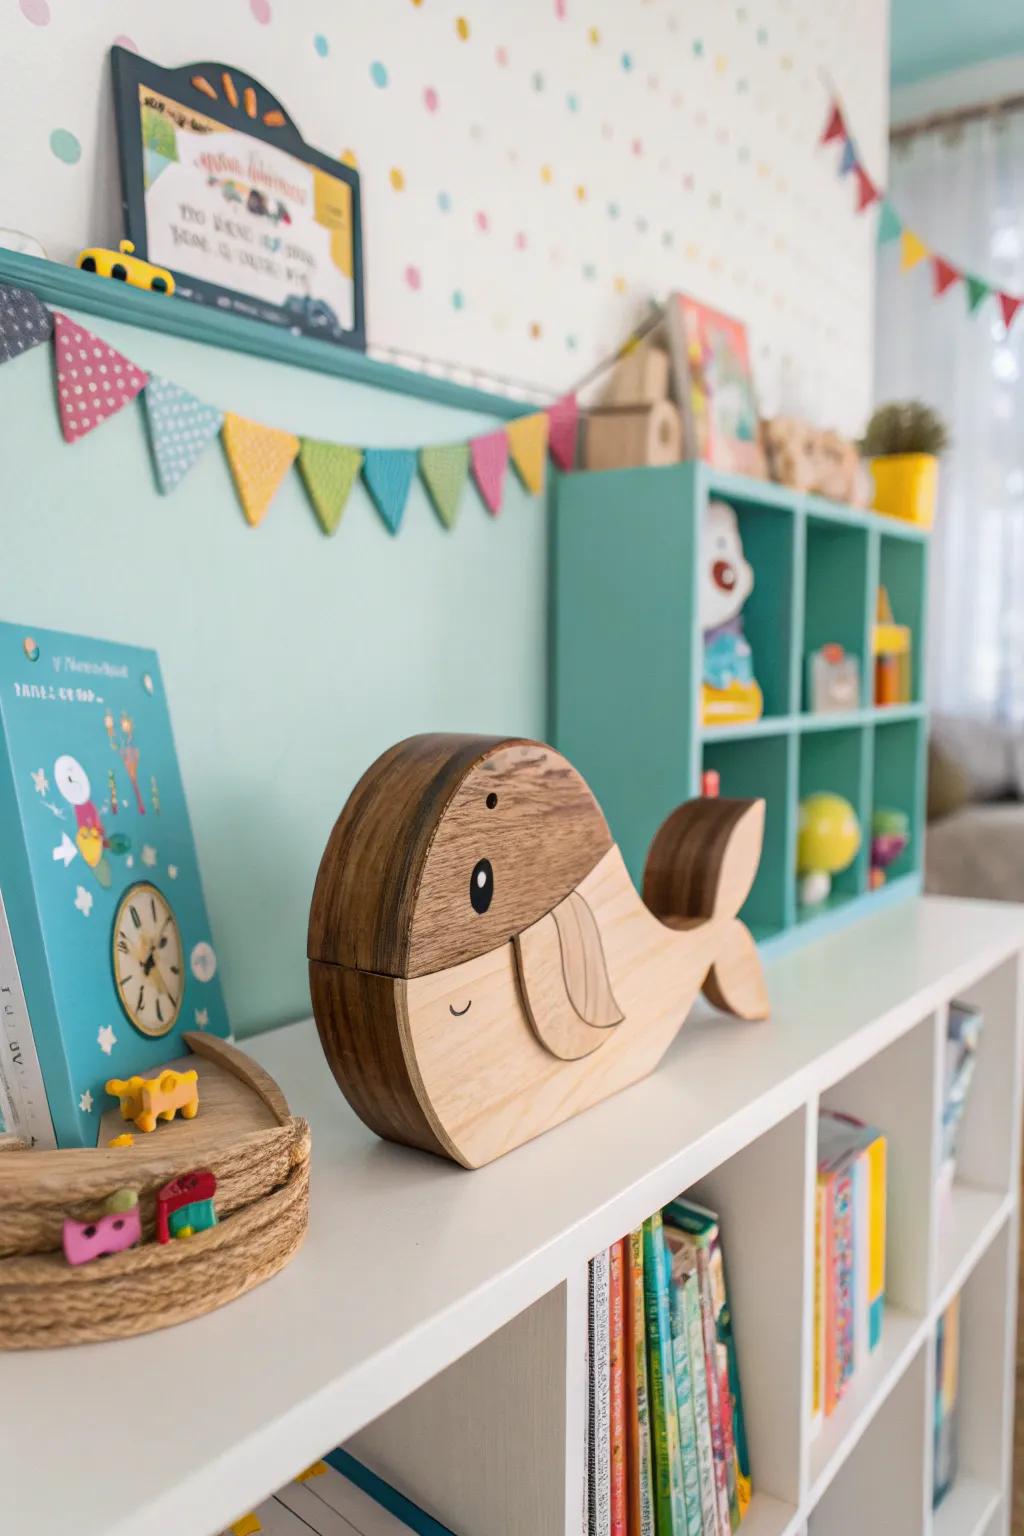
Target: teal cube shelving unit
626, 669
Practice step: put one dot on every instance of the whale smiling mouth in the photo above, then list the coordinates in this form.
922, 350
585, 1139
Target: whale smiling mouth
458, 1012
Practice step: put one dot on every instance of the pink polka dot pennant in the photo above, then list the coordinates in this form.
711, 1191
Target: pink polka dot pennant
489, 460
94, 381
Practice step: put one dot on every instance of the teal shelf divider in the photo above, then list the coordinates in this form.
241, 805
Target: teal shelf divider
68, 287
627, 660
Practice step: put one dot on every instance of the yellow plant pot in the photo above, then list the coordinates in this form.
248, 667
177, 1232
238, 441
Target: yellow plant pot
906, 485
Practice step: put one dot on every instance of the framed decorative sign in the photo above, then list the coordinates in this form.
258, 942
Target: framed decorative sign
219, 187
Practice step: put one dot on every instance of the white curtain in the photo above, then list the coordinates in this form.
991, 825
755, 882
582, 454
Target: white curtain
962, 192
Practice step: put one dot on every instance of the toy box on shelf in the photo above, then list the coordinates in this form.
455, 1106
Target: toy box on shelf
629, 658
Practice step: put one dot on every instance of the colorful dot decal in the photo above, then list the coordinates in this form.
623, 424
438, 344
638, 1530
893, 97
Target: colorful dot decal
462, 28
378, 74
572, 101
627, 61
535, 330
413, 278
501, 55
483, 223
444, 202
65, 146
397, 178
613, 210
36, 11
349, 157
458, 299
520, 241
261, 10
546, 174
537, 80
430, 99
581, 194
594, 36
321, 45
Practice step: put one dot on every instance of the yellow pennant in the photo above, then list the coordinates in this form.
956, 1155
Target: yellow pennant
259, 457
912, 250
528, 445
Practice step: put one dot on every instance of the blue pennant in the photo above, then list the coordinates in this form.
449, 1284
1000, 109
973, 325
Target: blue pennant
388, 474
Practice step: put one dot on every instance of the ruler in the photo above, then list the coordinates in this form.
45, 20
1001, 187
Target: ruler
22, 1095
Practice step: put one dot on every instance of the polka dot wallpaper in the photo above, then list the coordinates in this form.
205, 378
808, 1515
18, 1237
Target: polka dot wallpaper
532, 173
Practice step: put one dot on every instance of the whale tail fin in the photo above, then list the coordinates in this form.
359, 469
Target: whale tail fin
700, 869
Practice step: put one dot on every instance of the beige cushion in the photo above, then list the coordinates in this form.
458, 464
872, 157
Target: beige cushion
985, 753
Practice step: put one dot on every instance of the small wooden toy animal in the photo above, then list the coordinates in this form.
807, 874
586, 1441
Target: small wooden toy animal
185, 1205
119, 1227
148, 1099
481, 965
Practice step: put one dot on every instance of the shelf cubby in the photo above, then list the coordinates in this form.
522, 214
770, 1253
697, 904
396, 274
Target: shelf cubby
626, 666
837, 587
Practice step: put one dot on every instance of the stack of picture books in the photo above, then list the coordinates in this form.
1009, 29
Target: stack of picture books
849, 1252
667, 1450
947, 1392
337, 1497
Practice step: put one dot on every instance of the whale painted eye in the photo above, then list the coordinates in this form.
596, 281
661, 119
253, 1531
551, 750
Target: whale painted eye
481, 885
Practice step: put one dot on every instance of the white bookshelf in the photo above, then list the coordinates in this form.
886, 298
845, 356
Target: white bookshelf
434, 1319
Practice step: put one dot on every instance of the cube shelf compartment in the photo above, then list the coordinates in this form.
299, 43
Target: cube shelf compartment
626, 670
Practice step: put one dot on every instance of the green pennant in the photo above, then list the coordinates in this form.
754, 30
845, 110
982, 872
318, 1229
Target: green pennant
328, 470
444, 469
977, 291
889, 226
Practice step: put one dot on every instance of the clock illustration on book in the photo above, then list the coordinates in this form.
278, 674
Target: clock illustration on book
147, 959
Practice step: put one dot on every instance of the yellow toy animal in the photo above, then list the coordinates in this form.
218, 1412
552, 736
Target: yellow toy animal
147, 1099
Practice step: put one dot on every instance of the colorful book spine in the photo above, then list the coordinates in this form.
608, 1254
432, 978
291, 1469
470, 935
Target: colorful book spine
732, 1396
830, 1375
617, 1387
684, 1385
845, 1280
818, 1347
600, 1428
721, 1436
639, 1464
669, 1503
701, 1410
588, 1367
861, 1267
877, 1160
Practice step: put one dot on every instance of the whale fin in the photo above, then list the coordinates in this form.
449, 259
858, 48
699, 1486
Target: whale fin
564, 980
700, 868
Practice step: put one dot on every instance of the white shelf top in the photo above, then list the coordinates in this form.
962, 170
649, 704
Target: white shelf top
410, 1261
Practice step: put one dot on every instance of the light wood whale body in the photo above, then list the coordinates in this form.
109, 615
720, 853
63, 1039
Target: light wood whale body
465, 1013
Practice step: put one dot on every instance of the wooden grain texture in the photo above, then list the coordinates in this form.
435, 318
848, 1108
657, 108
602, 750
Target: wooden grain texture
223, 1054
393, 891
565, 989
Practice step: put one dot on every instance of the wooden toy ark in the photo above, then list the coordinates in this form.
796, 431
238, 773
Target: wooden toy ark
481, 965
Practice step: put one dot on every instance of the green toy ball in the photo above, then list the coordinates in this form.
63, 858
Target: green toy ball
828, 839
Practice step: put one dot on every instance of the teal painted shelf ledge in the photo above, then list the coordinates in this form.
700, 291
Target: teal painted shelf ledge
68, 287
627, 659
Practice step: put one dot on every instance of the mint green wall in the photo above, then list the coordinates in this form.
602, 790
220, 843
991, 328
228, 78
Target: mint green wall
929, 38
290, 659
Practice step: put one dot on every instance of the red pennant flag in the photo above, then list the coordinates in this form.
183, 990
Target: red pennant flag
94, 381
944, 275
563, 421
1009, 306
867, 192
835, 128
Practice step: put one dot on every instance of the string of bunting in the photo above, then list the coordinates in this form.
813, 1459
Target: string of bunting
891, 228
95, 382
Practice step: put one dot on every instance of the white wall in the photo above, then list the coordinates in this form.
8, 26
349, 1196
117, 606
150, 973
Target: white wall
690, 127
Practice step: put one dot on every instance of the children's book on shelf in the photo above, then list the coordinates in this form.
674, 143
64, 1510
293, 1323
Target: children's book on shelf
849, 1246
947, 1390
714, 386
963, 1033
106, 955
686, 1463
337, 1497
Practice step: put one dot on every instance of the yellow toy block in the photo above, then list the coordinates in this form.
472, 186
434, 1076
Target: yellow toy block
147, 1099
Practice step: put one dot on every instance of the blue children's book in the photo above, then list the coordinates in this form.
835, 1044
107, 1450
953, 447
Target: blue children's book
106, 955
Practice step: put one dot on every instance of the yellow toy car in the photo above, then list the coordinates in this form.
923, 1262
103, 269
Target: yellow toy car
126, 268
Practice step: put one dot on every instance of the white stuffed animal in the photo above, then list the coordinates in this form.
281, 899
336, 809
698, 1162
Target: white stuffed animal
726, 577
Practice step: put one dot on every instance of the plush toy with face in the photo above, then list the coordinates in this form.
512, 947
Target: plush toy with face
726, 580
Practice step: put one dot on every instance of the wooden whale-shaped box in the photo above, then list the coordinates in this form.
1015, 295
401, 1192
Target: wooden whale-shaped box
480, 962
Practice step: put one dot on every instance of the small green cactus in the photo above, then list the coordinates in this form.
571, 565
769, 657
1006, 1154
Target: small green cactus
905, 426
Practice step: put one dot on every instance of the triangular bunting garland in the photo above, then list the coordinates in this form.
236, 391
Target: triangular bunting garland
444, 468
912, 250
94, 381
977, 291
489, 458
180, 427
944, 275
889, 226
835, 127
328, 472
563, 422
388, 475
24, 322
1009, 306
848, 162
259, 457
528, 445
867, 192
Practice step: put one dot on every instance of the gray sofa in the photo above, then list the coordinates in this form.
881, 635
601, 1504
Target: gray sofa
975, 842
